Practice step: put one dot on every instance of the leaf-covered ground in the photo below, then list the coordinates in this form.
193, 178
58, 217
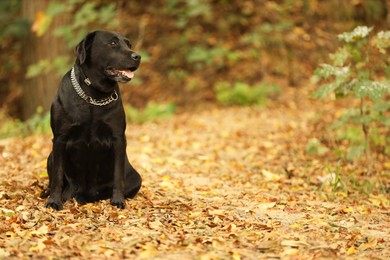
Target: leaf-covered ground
222, 183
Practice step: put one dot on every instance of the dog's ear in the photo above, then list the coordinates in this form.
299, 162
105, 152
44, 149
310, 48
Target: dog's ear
81, 49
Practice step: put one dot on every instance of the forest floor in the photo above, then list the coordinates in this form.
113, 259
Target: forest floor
226, 183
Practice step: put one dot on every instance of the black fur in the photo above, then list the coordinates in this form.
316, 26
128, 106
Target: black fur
88, 160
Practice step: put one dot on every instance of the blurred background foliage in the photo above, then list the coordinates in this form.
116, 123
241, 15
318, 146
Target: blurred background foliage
189, 48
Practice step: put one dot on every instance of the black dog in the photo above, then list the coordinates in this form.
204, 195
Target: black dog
88, 160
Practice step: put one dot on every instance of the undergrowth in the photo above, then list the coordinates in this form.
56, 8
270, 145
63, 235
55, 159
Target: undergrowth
36, 125
359, 70
152, 112
339, 181
240, 93
39, 124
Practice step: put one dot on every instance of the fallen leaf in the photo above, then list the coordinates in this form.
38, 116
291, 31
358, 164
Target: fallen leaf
7, 212
4, 253
39, 247
372, 243
43, 230
148, 251
269, 176
265, 206
217, 212
293, 243
351, 250
155, 224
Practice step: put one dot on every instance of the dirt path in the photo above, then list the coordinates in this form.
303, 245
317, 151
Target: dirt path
230, 183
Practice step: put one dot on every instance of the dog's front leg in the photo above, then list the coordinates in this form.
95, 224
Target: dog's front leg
118, 197
56, 177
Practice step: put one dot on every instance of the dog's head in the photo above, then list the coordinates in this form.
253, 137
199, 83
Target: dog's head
110, 53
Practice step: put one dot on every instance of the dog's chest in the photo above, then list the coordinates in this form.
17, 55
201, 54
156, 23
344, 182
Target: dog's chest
89, 146
90, 136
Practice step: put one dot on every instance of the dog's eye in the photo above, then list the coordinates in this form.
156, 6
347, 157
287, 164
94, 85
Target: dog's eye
128, 43
113, 43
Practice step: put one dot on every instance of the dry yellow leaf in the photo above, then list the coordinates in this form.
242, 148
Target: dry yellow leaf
270, 176
351, 250
372, 243
148, 251
236, 255
217, 212
41, 23
39, 247
40, 231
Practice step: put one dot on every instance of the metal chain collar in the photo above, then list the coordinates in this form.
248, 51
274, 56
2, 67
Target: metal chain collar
89, 99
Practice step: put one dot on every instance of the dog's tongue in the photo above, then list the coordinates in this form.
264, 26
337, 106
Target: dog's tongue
128, 73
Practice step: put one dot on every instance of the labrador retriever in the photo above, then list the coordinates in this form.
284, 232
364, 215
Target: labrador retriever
88, 160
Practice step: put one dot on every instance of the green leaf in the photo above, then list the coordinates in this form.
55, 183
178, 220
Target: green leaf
346, 118
152, 112
345, 88
315, 147
355, 152
325, 71
372, 89
56, 8
85, 15
241, 93
198, 54
354, 134
381, 106
357, 34
382, 41
363, 119
61, 64
385, 121
340, 57
324, 90
40, 67
107, 15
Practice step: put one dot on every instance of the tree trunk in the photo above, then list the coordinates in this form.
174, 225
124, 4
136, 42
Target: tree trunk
388, 12
39, 91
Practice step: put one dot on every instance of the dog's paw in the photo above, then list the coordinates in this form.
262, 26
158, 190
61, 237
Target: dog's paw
118, 203
44, 194
54, 204
81, 200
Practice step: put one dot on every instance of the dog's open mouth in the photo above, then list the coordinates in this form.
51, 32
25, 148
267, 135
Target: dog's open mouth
120, 75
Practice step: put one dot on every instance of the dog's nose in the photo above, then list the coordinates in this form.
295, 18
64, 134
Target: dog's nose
135, 56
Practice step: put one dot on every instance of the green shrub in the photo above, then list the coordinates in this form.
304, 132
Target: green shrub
357, 71
338, 181
240, 93
315, 147
8, 126
152, 112
187, 10
36, 125
86, 17
40, 123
